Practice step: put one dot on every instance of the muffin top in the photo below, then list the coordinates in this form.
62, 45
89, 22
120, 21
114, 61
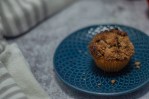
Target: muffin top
111, 45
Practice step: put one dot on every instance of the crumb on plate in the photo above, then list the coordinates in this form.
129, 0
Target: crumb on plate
137, 64
99, 84
113, 81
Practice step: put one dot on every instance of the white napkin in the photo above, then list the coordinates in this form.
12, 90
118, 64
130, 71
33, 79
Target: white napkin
18, 16
8, 86
16, 77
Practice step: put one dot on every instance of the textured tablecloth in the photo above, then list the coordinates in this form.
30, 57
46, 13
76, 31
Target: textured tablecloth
38, 46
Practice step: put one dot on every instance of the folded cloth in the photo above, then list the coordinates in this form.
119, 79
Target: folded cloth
18, 16
8, 87
16, 79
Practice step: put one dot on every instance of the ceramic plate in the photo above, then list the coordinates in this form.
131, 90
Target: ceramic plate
75, 66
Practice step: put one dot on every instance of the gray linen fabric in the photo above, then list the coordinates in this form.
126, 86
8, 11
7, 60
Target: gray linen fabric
18, 16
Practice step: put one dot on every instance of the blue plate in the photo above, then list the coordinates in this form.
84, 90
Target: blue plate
75, 66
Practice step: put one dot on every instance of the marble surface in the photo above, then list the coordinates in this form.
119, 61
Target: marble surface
38, 45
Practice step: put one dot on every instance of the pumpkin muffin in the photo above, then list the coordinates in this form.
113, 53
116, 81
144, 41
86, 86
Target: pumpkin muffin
111, 50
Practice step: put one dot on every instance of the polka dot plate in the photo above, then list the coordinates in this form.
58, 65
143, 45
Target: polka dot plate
75, 67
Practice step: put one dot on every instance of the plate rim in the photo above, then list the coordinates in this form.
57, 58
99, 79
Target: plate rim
90, 92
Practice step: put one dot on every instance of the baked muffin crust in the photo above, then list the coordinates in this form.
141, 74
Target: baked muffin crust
111, 45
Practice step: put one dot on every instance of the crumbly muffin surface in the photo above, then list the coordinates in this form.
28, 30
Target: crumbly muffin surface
112, 44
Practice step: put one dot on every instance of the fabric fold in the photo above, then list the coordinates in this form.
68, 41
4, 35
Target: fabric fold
18, 16
8, 87
18, 73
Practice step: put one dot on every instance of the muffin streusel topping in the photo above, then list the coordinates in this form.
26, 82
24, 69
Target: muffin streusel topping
112, 44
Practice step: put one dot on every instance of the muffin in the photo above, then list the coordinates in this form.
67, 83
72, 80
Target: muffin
111, 50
